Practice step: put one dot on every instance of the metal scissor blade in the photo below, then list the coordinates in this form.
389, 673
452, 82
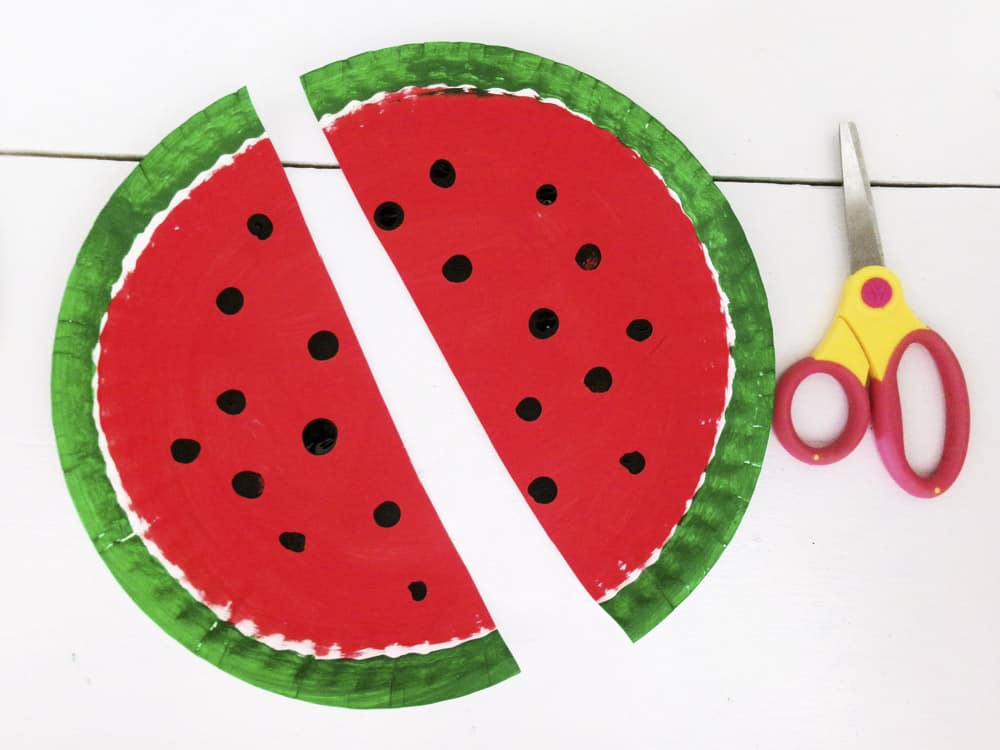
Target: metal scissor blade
863, 240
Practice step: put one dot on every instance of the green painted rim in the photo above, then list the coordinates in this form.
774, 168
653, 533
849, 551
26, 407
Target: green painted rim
731, 475
376, 682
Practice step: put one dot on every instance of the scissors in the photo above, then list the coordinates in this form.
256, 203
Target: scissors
862, 348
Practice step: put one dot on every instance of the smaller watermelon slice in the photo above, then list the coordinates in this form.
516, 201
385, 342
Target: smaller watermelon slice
236, 467
591, 290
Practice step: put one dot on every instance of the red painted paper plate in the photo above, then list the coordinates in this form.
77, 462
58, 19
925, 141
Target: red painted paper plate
226, 445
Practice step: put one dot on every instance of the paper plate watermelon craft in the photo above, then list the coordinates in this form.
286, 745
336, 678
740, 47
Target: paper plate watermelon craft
227, 447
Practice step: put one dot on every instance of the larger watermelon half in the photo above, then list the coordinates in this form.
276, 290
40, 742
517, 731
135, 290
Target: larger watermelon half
229, 452
591, 289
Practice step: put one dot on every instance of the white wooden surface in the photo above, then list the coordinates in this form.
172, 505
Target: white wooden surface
844, 613
750, 86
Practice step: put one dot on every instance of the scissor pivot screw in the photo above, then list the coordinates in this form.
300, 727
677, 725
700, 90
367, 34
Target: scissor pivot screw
876, 292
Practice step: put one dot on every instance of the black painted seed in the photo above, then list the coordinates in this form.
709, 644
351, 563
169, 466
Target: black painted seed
248, 484
639, 329
418, 590
457, 268
443, 173
543, 490
323, 345
546, 194
230, 300
388, 216
635, 462
185, 450
231, 401
598, 379
543, 323
588, 257
292, 540
260, 226
319, 436
529, 409
387, 514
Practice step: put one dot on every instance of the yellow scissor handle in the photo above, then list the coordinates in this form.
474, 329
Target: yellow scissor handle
872, 319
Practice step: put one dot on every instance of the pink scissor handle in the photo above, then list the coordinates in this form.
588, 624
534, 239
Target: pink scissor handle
857, 411
887, 418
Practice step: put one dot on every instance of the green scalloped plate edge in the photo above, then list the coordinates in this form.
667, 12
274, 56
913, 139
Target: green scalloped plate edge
731, 475
376, 682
